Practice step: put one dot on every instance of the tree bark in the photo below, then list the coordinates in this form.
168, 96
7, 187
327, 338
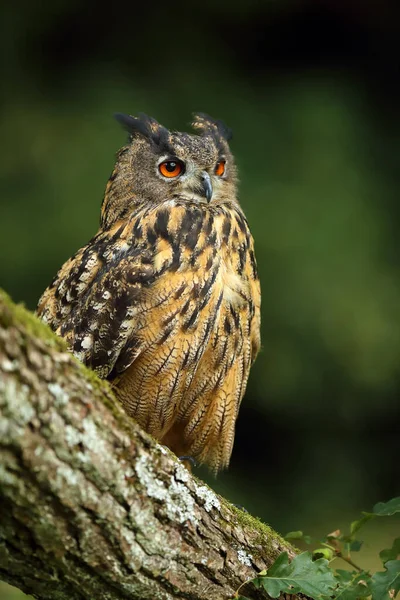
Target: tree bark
91, 507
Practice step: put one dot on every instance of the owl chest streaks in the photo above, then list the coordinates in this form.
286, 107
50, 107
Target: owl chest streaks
183, 371
166, 306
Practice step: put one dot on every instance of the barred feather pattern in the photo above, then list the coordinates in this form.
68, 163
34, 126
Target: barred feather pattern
166, 305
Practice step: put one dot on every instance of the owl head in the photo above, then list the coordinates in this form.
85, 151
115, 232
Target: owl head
158, 165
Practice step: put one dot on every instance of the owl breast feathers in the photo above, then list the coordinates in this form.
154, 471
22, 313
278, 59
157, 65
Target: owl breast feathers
164, 301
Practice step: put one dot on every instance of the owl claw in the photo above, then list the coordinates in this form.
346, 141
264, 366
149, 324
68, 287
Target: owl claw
188, 459
240, 507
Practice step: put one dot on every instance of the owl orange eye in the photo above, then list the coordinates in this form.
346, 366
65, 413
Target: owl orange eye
220, 168
171, 168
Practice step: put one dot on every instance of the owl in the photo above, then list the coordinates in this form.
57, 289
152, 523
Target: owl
164, 301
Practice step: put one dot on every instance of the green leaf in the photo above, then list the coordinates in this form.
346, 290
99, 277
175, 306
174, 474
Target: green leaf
298, 535
343, 576
385, 581
356, 525
382, 509
307, 539
356, 545
385, 509
303, 575
351, 585
347, 538
390, 553
294, 535
323, 553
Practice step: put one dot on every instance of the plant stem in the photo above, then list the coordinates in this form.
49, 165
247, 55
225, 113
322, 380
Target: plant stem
349, 561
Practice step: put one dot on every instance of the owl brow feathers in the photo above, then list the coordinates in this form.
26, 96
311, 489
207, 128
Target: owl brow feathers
145, 126
209, 126
160, 136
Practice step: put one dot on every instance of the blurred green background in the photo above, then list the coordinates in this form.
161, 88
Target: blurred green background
311, 90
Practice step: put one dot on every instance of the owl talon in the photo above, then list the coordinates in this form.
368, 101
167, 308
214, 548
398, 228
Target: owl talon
240, 507
188, 459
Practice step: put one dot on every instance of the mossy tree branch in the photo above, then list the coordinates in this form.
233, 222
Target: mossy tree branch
91, 506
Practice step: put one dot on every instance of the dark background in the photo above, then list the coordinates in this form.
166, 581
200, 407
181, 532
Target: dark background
311, 90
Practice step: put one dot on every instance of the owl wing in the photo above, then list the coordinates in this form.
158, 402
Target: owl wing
91, 293
126, 290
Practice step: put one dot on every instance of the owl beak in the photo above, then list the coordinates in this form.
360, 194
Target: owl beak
206, 185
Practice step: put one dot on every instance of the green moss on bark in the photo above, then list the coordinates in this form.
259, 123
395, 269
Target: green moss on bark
29, 325
15, 315
268, 541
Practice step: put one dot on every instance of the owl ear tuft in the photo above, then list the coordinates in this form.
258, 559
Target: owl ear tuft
143, 125
209, 126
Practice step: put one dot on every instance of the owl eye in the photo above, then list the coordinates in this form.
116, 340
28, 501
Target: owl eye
220, 168
171, 168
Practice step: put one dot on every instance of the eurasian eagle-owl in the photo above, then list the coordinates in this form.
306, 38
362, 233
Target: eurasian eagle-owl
164, 301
